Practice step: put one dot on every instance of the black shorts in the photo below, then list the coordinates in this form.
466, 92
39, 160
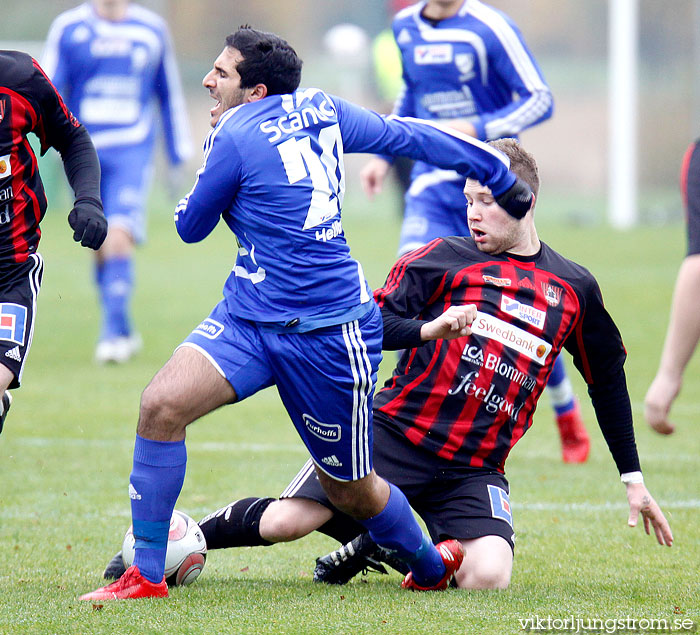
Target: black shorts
462, 503
19, 288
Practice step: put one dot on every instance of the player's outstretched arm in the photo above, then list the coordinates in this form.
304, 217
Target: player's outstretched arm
681, 341
453, 323
641, 501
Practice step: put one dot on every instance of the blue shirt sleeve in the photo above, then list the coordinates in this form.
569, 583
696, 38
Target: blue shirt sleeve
366, 131
215, 188
517, 72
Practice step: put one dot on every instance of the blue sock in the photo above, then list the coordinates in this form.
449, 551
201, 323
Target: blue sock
155, 483
396, 528
559, 388
115, 280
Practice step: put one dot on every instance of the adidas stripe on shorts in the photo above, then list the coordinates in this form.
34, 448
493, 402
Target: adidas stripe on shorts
19, 289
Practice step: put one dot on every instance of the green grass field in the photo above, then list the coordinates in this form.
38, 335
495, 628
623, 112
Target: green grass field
65, 456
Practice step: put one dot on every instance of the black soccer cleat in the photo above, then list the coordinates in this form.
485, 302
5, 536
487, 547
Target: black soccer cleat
115, 569
6, 403
361, 554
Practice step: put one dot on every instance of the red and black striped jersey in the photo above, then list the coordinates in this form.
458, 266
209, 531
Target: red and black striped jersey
28, 104
469, 400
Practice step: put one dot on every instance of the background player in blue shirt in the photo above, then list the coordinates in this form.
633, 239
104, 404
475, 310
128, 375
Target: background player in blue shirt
467, 65
112, 61
297, 311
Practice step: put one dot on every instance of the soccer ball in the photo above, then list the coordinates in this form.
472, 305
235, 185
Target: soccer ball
186, 554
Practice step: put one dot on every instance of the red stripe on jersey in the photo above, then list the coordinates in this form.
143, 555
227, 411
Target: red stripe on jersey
461, 427
399, 270
438, 291
568, 301
685, 166
27, 110
23, 118
448, 369
425, 419
501, 419
395, 376
393, 406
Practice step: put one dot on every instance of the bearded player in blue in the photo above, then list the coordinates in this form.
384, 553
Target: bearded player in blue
467, 65
297, 311
113, 61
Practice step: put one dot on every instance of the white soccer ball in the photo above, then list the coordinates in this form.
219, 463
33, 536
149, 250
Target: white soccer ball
186, 554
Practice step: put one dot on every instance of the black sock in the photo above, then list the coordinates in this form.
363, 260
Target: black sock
236, 525
342, 527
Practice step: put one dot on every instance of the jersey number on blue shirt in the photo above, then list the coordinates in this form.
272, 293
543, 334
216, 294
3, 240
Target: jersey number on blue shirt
300, 160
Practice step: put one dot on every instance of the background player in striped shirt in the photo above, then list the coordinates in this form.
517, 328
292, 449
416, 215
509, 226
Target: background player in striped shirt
112, 60
466, 64
481, 320
684, 323
297, 311
30, 104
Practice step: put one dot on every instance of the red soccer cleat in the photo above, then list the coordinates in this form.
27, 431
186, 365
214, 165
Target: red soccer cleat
452, 554
131, 585
575, 442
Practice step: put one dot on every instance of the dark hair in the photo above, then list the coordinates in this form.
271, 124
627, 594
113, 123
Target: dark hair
267, 59
522, 163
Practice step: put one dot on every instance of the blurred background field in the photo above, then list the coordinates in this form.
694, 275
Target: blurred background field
569, 38
65, 454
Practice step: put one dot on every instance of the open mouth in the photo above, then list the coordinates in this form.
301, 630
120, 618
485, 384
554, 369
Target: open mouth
216, 106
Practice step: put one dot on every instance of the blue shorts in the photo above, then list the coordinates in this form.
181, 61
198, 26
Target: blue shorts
431, 212
124, 186
325, 378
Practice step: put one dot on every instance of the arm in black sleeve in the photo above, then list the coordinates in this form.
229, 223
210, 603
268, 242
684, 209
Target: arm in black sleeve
83, 171
614, 413
599, 355
400, 332
82, 166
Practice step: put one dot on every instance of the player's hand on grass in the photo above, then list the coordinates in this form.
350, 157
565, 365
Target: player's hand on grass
641, 502
657, 403
373, 174
88, 222
453, 323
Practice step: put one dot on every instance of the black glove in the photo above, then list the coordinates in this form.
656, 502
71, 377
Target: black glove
88, 222
517, 200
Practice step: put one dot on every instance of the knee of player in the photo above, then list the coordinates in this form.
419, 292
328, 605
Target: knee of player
281, 523
483, 574
159, 409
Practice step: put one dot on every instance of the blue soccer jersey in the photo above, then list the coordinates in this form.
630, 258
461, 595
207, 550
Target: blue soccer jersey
112, 73
273, 169
473, 66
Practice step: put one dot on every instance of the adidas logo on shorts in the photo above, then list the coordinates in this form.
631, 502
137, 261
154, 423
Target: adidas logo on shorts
13, 353
332, 460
